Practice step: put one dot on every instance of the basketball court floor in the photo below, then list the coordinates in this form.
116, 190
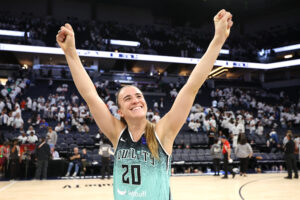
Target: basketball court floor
253, 187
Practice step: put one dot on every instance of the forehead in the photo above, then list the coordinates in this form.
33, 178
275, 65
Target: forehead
129, 90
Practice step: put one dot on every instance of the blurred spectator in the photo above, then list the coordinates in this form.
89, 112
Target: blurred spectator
51, 137
244, 153
105, 151
290, 157
22, 138
84, 158
14, 160
43, 155
54, 154
216, 152
74, 160
32, 138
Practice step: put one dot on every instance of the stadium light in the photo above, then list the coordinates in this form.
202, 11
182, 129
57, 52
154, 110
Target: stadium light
288, 56
14, 33
125, 43
145, 57
287, 48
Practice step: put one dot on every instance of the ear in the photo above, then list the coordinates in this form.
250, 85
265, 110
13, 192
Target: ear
120, 113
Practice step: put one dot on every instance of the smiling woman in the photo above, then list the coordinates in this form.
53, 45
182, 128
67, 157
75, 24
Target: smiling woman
142, 164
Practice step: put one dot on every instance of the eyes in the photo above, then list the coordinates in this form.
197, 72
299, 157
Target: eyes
128, 98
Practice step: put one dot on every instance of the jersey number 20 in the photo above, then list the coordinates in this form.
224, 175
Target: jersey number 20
135, 174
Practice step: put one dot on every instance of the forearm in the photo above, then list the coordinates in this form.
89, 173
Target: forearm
205, 65
81, 79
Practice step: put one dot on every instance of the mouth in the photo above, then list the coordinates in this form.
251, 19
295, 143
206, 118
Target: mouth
136, 108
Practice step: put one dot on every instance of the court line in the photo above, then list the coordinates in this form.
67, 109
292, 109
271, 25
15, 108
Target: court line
240, 190
7, 186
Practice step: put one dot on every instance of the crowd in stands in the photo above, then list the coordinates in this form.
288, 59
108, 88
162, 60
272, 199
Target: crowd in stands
154, 39
263, 117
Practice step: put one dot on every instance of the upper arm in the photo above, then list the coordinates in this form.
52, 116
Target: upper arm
108, 124
169, 126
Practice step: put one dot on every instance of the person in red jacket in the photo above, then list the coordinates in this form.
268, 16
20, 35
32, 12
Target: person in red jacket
226, 151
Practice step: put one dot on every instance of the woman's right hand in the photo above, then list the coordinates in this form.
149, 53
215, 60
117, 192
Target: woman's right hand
66, 39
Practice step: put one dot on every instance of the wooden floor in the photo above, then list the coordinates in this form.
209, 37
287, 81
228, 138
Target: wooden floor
253, 187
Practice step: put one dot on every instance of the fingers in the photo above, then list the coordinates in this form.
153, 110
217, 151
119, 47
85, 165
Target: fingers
64, 32
68, 26
227, 17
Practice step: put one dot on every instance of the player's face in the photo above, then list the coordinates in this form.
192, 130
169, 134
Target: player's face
132, 103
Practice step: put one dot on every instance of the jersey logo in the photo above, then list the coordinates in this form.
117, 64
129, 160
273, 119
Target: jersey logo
122, 140
122, 193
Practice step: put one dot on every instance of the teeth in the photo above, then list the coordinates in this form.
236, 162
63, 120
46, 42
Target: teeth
136, 108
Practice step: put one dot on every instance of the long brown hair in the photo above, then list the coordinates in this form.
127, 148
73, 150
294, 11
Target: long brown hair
149, 130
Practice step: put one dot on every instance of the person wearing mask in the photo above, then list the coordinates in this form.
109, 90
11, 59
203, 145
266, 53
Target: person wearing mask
290, 157
43, 155
244, 152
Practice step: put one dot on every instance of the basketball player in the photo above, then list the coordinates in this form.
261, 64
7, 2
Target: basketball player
142, 150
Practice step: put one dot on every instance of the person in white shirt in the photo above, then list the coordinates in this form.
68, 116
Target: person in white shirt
252, 125
54, 154
194, 126
4, 92
2, 105
74, 98
18, 122
155, 118
260, 129
22, 138
30, 129
59, 127
61, 116
213, 122
206, 126
32, 138
114, 109
29, 103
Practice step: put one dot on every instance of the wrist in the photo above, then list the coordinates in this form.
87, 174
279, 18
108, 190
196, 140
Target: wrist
218, 40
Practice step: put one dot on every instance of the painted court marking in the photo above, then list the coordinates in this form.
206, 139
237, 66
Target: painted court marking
7, 186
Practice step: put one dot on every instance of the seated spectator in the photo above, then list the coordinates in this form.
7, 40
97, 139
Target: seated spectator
30, 129
32, 138
260, 129
54, 154
59, 127
155, 118
74, 160
67, 127
22, 138
194, 126
43, 124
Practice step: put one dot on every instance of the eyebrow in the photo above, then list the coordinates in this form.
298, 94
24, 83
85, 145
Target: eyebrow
138, 93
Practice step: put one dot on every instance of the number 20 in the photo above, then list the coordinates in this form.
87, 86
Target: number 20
135, 174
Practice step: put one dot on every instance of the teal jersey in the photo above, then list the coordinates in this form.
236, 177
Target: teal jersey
137, 175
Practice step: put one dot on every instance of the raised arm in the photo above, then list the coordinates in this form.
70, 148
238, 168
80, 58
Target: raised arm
169, 126
108, 124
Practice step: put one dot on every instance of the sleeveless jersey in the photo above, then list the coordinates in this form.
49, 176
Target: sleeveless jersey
137, 175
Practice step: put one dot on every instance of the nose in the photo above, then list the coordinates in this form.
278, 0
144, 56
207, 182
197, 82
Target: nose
135, 100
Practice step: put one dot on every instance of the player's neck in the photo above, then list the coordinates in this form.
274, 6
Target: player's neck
137, 128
